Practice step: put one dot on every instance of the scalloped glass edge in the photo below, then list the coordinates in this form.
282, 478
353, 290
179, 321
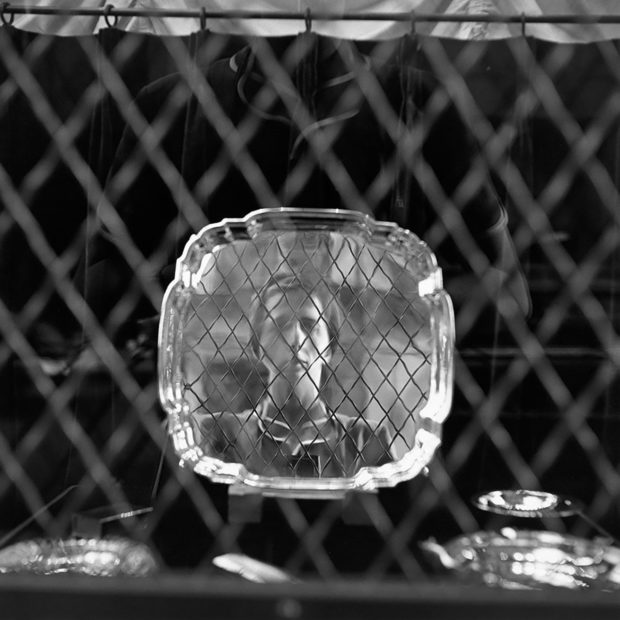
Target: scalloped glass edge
188, 273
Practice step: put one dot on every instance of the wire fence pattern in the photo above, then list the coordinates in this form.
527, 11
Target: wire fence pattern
502, 155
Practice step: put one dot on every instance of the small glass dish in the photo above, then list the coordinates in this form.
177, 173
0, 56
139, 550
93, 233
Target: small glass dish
527, 503
529, 559
99, 557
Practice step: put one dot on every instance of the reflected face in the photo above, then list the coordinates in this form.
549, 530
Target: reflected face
294, 339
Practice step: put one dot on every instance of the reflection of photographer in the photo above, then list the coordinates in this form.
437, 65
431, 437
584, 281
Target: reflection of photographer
291, 431
281, 166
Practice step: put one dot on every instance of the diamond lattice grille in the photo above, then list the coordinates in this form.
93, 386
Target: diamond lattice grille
116, 147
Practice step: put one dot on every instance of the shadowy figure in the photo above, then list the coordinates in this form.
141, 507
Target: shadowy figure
240, 138
292, 431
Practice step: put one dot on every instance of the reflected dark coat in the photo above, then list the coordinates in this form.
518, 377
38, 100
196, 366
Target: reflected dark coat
340, 449
193, 177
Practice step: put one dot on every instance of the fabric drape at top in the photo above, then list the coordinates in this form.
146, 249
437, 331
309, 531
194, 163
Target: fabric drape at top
347, 29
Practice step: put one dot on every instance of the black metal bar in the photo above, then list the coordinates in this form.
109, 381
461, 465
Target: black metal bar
111, 11
200, 595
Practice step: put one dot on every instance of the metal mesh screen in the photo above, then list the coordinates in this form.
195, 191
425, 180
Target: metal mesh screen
502, 155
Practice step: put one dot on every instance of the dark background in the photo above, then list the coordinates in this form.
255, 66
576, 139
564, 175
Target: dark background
562, 410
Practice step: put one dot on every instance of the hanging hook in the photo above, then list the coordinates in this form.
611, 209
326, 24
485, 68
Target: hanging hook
414, 25
111, 20
6, 15
523, 24
203, 18
308, 20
